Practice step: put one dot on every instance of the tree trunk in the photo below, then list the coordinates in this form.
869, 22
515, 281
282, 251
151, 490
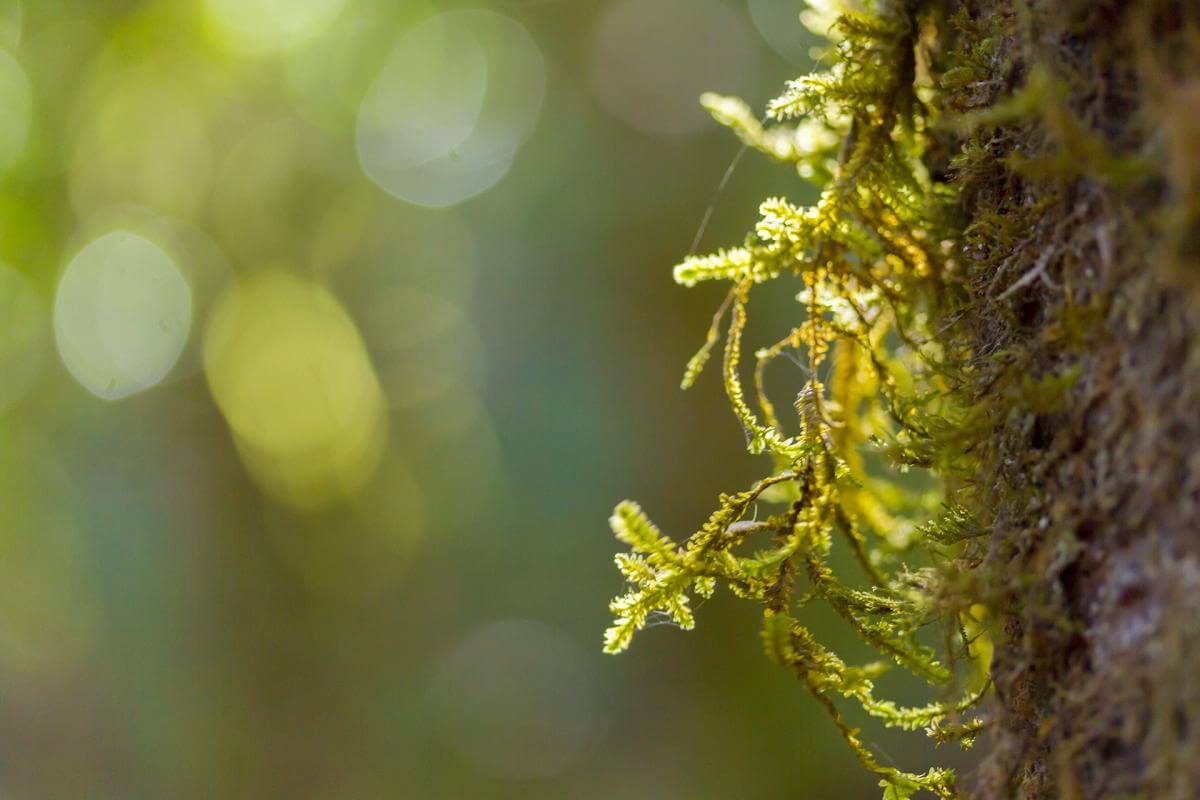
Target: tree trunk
1082, 198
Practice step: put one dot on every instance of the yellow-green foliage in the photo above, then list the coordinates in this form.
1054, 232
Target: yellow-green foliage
872, 254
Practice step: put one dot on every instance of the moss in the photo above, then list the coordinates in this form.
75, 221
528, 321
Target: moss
997, 292
1072, 268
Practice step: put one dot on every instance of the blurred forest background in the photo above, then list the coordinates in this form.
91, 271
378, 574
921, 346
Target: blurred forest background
331, 331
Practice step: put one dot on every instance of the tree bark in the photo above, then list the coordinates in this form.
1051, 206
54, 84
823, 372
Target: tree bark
1081, 259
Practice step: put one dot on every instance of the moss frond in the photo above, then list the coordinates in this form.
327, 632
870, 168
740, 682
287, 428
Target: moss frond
871, 253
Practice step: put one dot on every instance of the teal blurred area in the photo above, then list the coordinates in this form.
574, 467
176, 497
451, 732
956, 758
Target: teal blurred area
330, 333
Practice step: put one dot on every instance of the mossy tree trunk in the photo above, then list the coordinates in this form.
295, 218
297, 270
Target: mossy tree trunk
1005, 252
1082, 256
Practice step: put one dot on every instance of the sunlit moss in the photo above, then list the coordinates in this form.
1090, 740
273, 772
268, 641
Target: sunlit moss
872, 254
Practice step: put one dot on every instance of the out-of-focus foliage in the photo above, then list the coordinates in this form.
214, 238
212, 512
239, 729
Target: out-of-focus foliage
325, 325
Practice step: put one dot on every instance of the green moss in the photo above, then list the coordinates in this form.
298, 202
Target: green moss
877, 255
995, 295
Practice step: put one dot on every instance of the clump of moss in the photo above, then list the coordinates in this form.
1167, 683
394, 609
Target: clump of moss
998, 290
874, 255
1082, 330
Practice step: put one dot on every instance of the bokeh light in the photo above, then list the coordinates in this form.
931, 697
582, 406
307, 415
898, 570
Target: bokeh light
17, 102
459, 95
24, 330
366, 250
358, 552
821, 15
261, 169
424, 248
200, 259
517, 698
425, 345
652, 59
290, 373
142, 139
776, 21
269, 26
428, 98
122, 314
10, 23
324, 80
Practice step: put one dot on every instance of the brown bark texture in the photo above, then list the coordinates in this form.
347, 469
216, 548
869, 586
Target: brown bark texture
1082, 258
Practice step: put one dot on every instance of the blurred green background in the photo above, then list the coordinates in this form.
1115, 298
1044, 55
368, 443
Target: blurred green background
331, 331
